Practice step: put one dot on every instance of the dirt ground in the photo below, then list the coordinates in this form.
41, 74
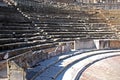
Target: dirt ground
107, 69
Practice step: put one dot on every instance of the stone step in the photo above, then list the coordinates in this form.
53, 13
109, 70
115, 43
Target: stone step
80, 67
56, 69
17, 51
25, 35
16, 45
59, 67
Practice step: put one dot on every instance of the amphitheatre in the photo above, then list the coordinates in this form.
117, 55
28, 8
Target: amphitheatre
59, 39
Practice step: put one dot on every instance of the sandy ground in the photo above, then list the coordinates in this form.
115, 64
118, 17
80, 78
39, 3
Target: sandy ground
107, 69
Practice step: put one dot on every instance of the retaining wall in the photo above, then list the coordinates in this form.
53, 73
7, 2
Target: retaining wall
109, 44
84, 44
16, 66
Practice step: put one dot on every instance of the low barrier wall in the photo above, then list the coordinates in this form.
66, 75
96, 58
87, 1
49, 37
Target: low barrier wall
104, 44
96, 44
16, 66
3, 69
84, 44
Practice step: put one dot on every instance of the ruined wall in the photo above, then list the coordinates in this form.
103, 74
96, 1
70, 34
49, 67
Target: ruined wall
115, 44
15, 68
111, 44
84, 44
104, 44
3, 69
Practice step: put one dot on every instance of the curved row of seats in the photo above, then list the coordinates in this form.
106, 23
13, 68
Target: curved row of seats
113, 19
25, 30
113, 16
74, 26
59, 67
51, 27
17, 37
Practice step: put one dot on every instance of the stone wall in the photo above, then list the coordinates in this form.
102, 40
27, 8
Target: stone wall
84, 44
97, 44
115, 44
104, 44
111, 44
19, 64
3, 69
63, 47
16, 66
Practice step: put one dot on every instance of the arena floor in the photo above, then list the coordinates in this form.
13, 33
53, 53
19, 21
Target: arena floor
108, 69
